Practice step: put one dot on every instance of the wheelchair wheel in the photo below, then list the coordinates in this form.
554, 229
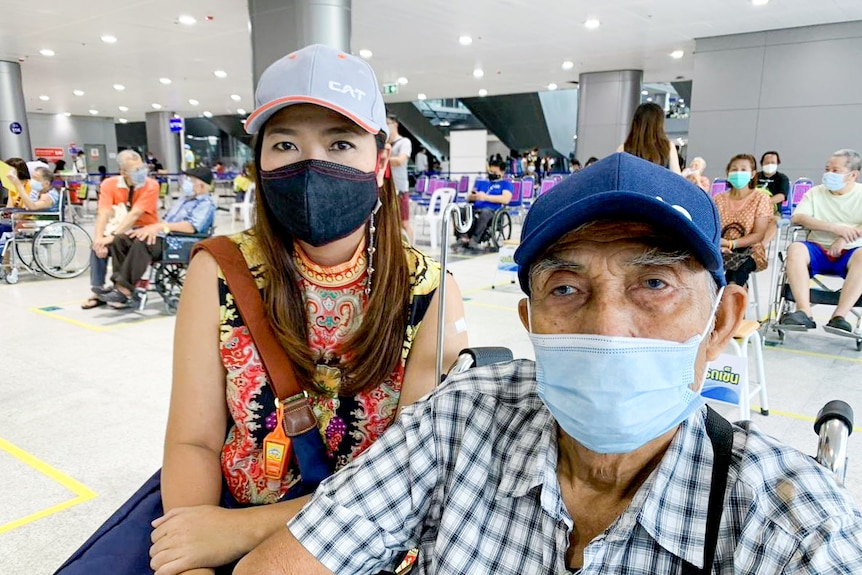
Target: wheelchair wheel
169, 284
62, 250
24, 253
501, 228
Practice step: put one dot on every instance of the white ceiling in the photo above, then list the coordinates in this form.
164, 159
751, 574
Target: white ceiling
520, 44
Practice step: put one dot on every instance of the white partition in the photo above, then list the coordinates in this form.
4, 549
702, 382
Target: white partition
469, 152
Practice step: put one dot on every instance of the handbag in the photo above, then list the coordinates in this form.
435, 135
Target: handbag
734, 259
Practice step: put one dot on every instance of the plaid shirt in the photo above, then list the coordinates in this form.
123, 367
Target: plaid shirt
469, 475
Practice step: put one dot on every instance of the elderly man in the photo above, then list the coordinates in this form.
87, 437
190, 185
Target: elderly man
125, 201
600, 457
832, 212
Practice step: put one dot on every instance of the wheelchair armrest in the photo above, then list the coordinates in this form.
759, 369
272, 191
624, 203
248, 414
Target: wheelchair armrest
479, 357
193, 235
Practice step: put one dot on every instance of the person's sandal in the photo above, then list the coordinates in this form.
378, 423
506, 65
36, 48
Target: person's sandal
92, 302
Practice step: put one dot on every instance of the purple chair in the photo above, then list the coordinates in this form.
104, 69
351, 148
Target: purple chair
798, 190
547, 185
719, 185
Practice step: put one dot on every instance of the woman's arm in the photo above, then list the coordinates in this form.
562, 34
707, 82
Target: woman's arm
421, 363
674, 159
755, 236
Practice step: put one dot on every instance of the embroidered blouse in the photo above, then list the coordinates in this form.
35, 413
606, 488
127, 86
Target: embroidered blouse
335, 300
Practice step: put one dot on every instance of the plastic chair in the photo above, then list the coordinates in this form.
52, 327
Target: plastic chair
463, 187
546, 185
719, 185
748, 333
797, 191
527, 193
245, 207
434, 217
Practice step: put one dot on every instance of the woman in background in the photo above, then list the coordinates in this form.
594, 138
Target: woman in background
647, 139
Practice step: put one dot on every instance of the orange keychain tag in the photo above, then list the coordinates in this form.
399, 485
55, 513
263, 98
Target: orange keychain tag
277, 448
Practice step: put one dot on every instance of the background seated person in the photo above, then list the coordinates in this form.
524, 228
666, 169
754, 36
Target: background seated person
22, 172
832, 212
243, 182
596, 456
133, 251
745, 215
694, 174
485, 204
42, 197
777, 185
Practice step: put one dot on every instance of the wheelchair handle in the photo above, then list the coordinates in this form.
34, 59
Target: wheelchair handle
833, 425
478, 357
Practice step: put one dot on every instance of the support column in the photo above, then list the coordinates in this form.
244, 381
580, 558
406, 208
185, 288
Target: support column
279, 27
14, 130
163, 143
606, 105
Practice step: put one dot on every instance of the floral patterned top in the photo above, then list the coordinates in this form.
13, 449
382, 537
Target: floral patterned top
335, 299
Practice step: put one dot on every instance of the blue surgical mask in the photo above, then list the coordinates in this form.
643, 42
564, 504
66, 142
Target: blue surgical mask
833, 181
36, 186
188, 188
739, 179
615, 394
138, 177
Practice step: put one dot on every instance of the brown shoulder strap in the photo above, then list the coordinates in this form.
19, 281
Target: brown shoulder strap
250, 305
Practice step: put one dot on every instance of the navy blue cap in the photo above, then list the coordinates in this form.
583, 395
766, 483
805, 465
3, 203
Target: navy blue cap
624, 187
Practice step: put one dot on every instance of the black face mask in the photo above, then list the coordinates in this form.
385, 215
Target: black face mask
318, 202
494, 177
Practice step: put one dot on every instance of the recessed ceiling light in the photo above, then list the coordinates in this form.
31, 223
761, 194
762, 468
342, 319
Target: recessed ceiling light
760, 2
649, 99
208, 114
187, 20
108, 39
193, 102
421, 96
241, 111
552, 86
44, 98
677, 54
644, 92
592, 23
156, 106
123, 121
94, 112
483, 92
78, 92
123, 108
366, 53
119, 87
165, 81
478, 73
402, 80
444, 123
46, 52
220, 74
235, 97
67, 114
465, 40
568, 65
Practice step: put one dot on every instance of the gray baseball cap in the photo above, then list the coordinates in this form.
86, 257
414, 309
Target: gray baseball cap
324, 76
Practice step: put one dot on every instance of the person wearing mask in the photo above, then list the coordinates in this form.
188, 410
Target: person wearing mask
485, 204
775, 182
132, 252
42, 198
647, 140
575, 166
401, 148
125, 201
745, 214
601, 455
21, 186
590, 161
421, 162
694, 174
832, 212
80, 164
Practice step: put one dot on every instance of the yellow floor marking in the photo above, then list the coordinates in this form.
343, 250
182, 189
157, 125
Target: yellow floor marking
814, 354
792, 415
82, 493
93, 327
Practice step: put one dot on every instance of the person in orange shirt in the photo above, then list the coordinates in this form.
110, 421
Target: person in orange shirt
125, 201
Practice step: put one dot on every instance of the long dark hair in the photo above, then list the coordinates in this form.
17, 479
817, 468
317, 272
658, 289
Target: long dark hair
646, 137
374, 349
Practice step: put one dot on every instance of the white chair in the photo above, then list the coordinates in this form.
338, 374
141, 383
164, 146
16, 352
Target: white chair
434, 216
245, 207
748, 334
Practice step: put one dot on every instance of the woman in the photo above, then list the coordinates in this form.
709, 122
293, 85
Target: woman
327, 234
745, 214
243, 181
647, 139
694, 174
29, 194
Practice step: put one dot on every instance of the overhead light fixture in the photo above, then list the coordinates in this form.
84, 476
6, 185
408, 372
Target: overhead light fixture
760, 2
568, 65
67, 114
552, 86
478, 73
421, 96
465, 40
366, 53
109, 39
483, 92
165, 81
644, 92
78, 92
677, 54
241, 111
592, 23
208, 114
119, 87
444, 123
235, 97
123, 121
193, 102
46, 52
402, 80
94, 112
156, 106
123, 108
187, 20
220, 74
44, 98
649, 99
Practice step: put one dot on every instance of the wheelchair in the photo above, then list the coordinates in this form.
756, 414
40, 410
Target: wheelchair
821, 294
44, 243
167, 273
499, 229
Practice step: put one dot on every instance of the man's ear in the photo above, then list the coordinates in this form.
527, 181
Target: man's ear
728, 316
382, 161
524, 313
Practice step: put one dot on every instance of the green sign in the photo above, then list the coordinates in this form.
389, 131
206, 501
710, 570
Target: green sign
390, 88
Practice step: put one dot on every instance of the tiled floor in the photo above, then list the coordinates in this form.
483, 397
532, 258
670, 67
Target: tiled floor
84, 397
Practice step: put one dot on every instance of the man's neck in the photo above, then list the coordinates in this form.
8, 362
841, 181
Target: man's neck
846, 189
